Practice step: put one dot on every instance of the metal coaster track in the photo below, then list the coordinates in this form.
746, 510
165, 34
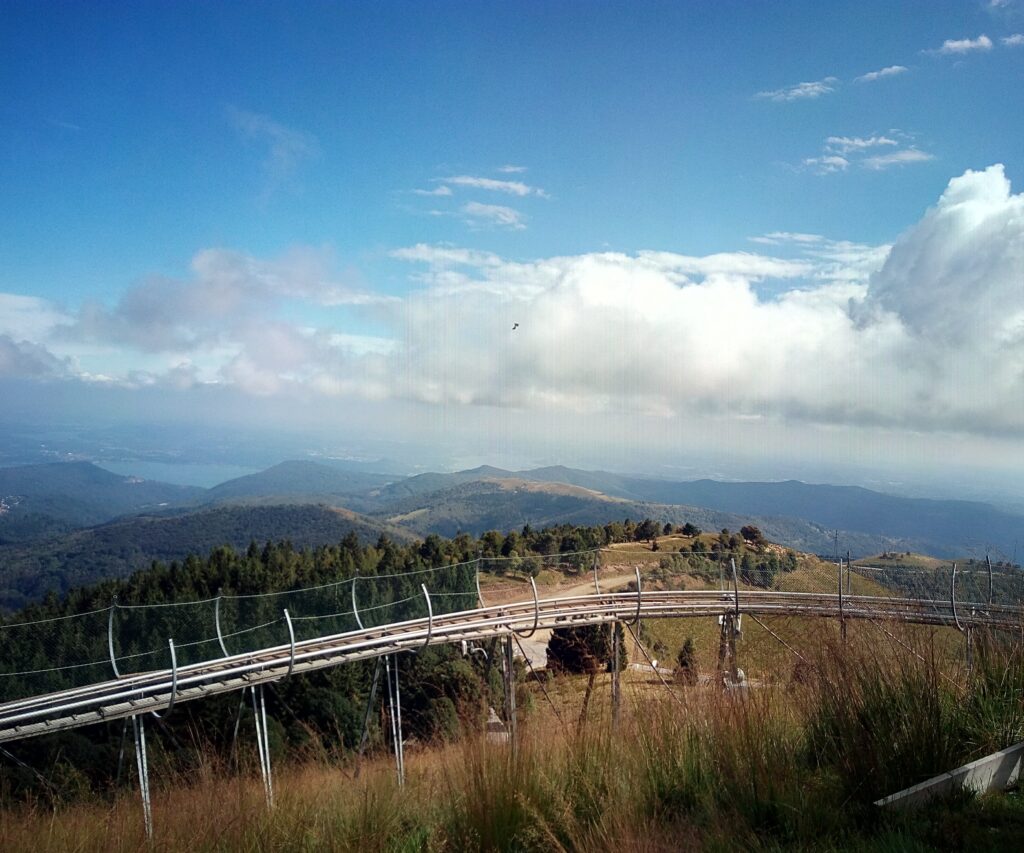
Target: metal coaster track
157, 691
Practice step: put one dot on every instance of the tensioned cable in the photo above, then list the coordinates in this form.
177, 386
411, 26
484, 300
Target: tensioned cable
711, 556
136, 655
164, 604
53, 619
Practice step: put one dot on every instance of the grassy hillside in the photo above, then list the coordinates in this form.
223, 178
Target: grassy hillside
508, 504
793, 768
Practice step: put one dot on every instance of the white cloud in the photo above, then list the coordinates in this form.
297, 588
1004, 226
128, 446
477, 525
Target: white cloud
955, 47
846, 144
516, 188
447, 256
802, 91
494, 215
776, 237
926, 335
442, 190
226, 289
286, 148
22, 359
29, 316
903, 157
826, 164
842, 152
888, 71
1016, 40
509, 169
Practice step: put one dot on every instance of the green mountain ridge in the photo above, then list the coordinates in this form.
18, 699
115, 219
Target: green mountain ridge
115, 549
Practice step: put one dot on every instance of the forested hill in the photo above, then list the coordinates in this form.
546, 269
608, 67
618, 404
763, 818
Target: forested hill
39, 499
296, 478
115, 549
505, 504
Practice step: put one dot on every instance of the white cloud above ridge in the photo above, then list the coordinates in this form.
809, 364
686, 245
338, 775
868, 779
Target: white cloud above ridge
881, 73
801, 91
868, 345
927, 335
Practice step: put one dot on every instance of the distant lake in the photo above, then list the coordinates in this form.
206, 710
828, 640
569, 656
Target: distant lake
183, 474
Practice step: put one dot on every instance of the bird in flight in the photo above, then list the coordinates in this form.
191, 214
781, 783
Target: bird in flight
515, 326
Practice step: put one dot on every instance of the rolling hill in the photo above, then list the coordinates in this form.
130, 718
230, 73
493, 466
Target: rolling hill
38, 500
312, 481
115, 549
509, 503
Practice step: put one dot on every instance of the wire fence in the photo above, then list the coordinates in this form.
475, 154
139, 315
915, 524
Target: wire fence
48, 655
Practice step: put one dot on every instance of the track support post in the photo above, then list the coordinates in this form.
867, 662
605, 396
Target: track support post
616, 685
395, 705
259, 709
509, 672
365, 737
727, 668
142, 765
842, 614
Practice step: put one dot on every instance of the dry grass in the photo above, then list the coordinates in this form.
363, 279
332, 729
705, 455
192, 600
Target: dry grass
688, 768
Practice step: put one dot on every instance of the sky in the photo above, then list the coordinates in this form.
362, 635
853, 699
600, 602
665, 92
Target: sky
781, 237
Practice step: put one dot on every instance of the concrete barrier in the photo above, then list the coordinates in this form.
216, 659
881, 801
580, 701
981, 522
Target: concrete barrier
993, 772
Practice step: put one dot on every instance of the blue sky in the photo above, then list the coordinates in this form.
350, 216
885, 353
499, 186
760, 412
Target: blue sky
325, 206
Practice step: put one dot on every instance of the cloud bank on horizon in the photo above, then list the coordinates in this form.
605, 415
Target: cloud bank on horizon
924, 335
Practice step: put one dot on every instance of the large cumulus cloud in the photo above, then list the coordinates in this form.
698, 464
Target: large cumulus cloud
925, 335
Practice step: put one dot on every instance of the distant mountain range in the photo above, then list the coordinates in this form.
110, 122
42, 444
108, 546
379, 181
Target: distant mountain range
63, 524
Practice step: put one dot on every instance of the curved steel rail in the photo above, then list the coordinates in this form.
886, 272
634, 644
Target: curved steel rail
156, 691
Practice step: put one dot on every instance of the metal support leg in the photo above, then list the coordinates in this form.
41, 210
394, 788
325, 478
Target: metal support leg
727, 669
510, 690
259, 709
139, 730
734, 674
616, 686
120, 754
365, 738
398, 725
396, 710
970, 650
